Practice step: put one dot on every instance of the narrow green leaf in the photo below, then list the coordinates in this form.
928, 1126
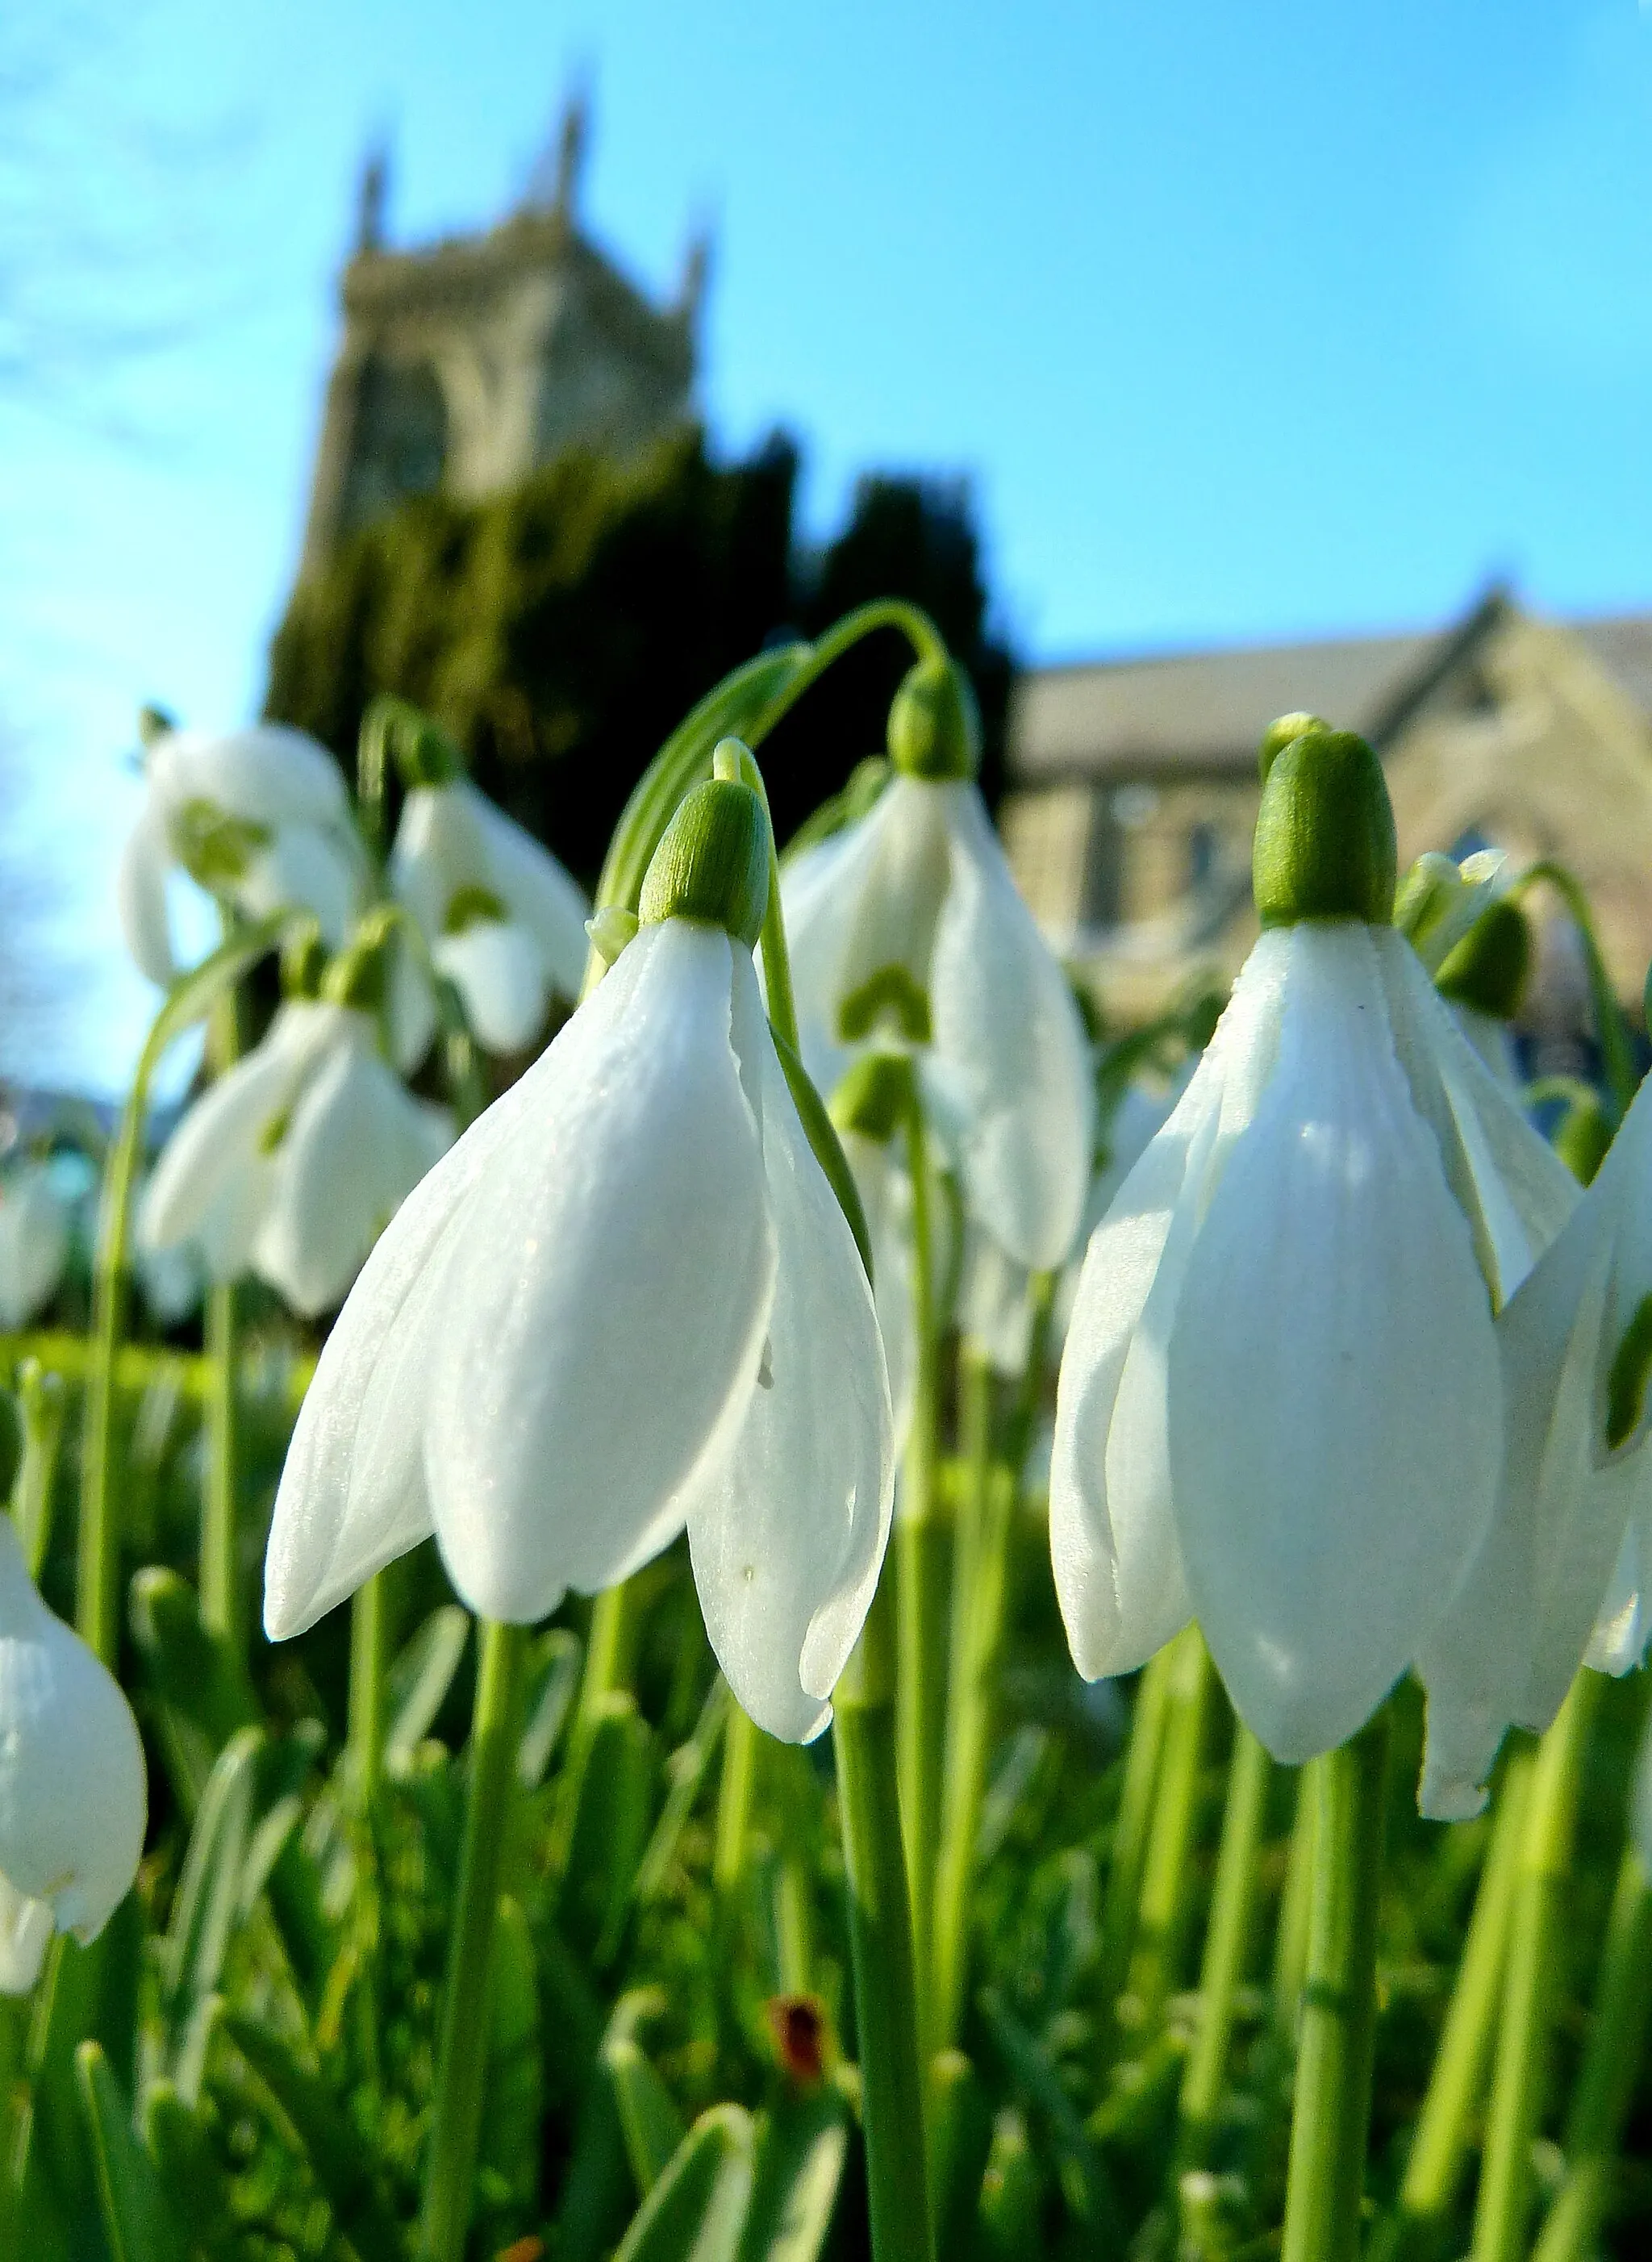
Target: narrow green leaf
553, 1680
650, 2123
203, 1693
137, 2219
420, 1680
209, 1890
317, 2121
610, 1828
1010, 2193
697, 2210
515, 2092
186, 2168
802, 2147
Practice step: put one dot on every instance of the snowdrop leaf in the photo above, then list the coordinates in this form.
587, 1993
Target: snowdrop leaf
1334, 1396
602, 1310
1007, 1033
787, 1528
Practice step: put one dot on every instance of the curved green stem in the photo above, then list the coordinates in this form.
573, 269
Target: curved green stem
1331, 2110
1520, 2075
462, 2051
881, 1944
920, 1540
1617, 1050
97, 1596
219, 1566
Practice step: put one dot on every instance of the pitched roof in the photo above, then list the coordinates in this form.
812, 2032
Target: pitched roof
1199, 713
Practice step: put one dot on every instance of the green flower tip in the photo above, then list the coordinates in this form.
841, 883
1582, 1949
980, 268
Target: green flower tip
1325, 834
303, 961
875, 1098
934, 725
358, 976
422, 752
154, 724
1284, 732
712, 864
1487, 968
1583, 1138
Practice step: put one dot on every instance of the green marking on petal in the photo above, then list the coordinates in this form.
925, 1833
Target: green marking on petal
470, 906
274, 1132
892, 990
875, 1098
1627, 1384
213, 848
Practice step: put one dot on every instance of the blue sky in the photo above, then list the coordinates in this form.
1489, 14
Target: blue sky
1245, 320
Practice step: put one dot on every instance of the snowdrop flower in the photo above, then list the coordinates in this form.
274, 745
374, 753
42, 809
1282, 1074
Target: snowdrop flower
260, 818
907, 924
626, 1303
34, 1242
1280, 1405
1569, 1552
1476, 943
504, 921
72, 1795
292, 1164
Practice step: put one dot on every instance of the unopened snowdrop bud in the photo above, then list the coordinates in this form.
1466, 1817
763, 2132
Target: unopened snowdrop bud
1325, 834
72, 1795
934, 724
1486, 972
712, 864
626, 1303
1280, 1405
34, 1242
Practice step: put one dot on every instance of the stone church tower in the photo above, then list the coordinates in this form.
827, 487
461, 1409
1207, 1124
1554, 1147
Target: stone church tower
465, 364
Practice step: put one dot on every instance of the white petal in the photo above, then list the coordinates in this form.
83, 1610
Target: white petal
1510, 1184
499, 973
993, 1309
1335, 1402
140, 896
537, 892
824, 893
438, 851
33, 1243
1007, 1029
267, 775
215, 1171
307, 868
352, 1494
1618, 1641
605, 1301
1113, 1541
410, 1009
73, 1803
788, 1526
357, 1145
25, 1934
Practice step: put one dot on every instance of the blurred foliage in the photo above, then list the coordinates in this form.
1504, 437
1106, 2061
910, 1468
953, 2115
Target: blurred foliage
560, 629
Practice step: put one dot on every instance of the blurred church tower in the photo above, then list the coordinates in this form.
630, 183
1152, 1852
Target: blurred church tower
466, 363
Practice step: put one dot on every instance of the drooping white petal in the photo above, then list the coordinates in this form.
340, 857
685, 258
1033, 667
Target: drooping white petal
140, 896
500, 973
822, 892
268, 774
993, 1310
885, 1193
34, 1235
307, 868
1616, 1643
537, 892
25, 1934
352, 1494
1112, 1540
437, 852
410, 1008
1335, 1399
603, 1306
1008, 1030
216, 1171
1510, 1184
73, 1804
787, 1523
356, 1147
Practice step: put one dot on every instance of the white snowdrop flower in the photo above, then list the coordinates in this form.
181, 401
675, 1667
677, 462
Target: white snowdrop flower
626, 1303
1279, 1404
907, 925
260, 818
1565, 1570
292, 1164
34, 1242
1476, 943
504, 921
72, 1793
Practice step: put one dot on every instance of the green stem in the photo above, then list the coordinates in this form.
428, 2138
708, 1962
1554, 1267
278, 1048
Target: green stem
881, 1945
462, 2053
1295, 1911
1122, 1904
368, 1648
1520, 2077
41, 1395
220, 1567
1331, 2111
1611, 1031
1612, 2065
921, 1562
1227, 1942
734, 1800
1165, 1872
1440, 2144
